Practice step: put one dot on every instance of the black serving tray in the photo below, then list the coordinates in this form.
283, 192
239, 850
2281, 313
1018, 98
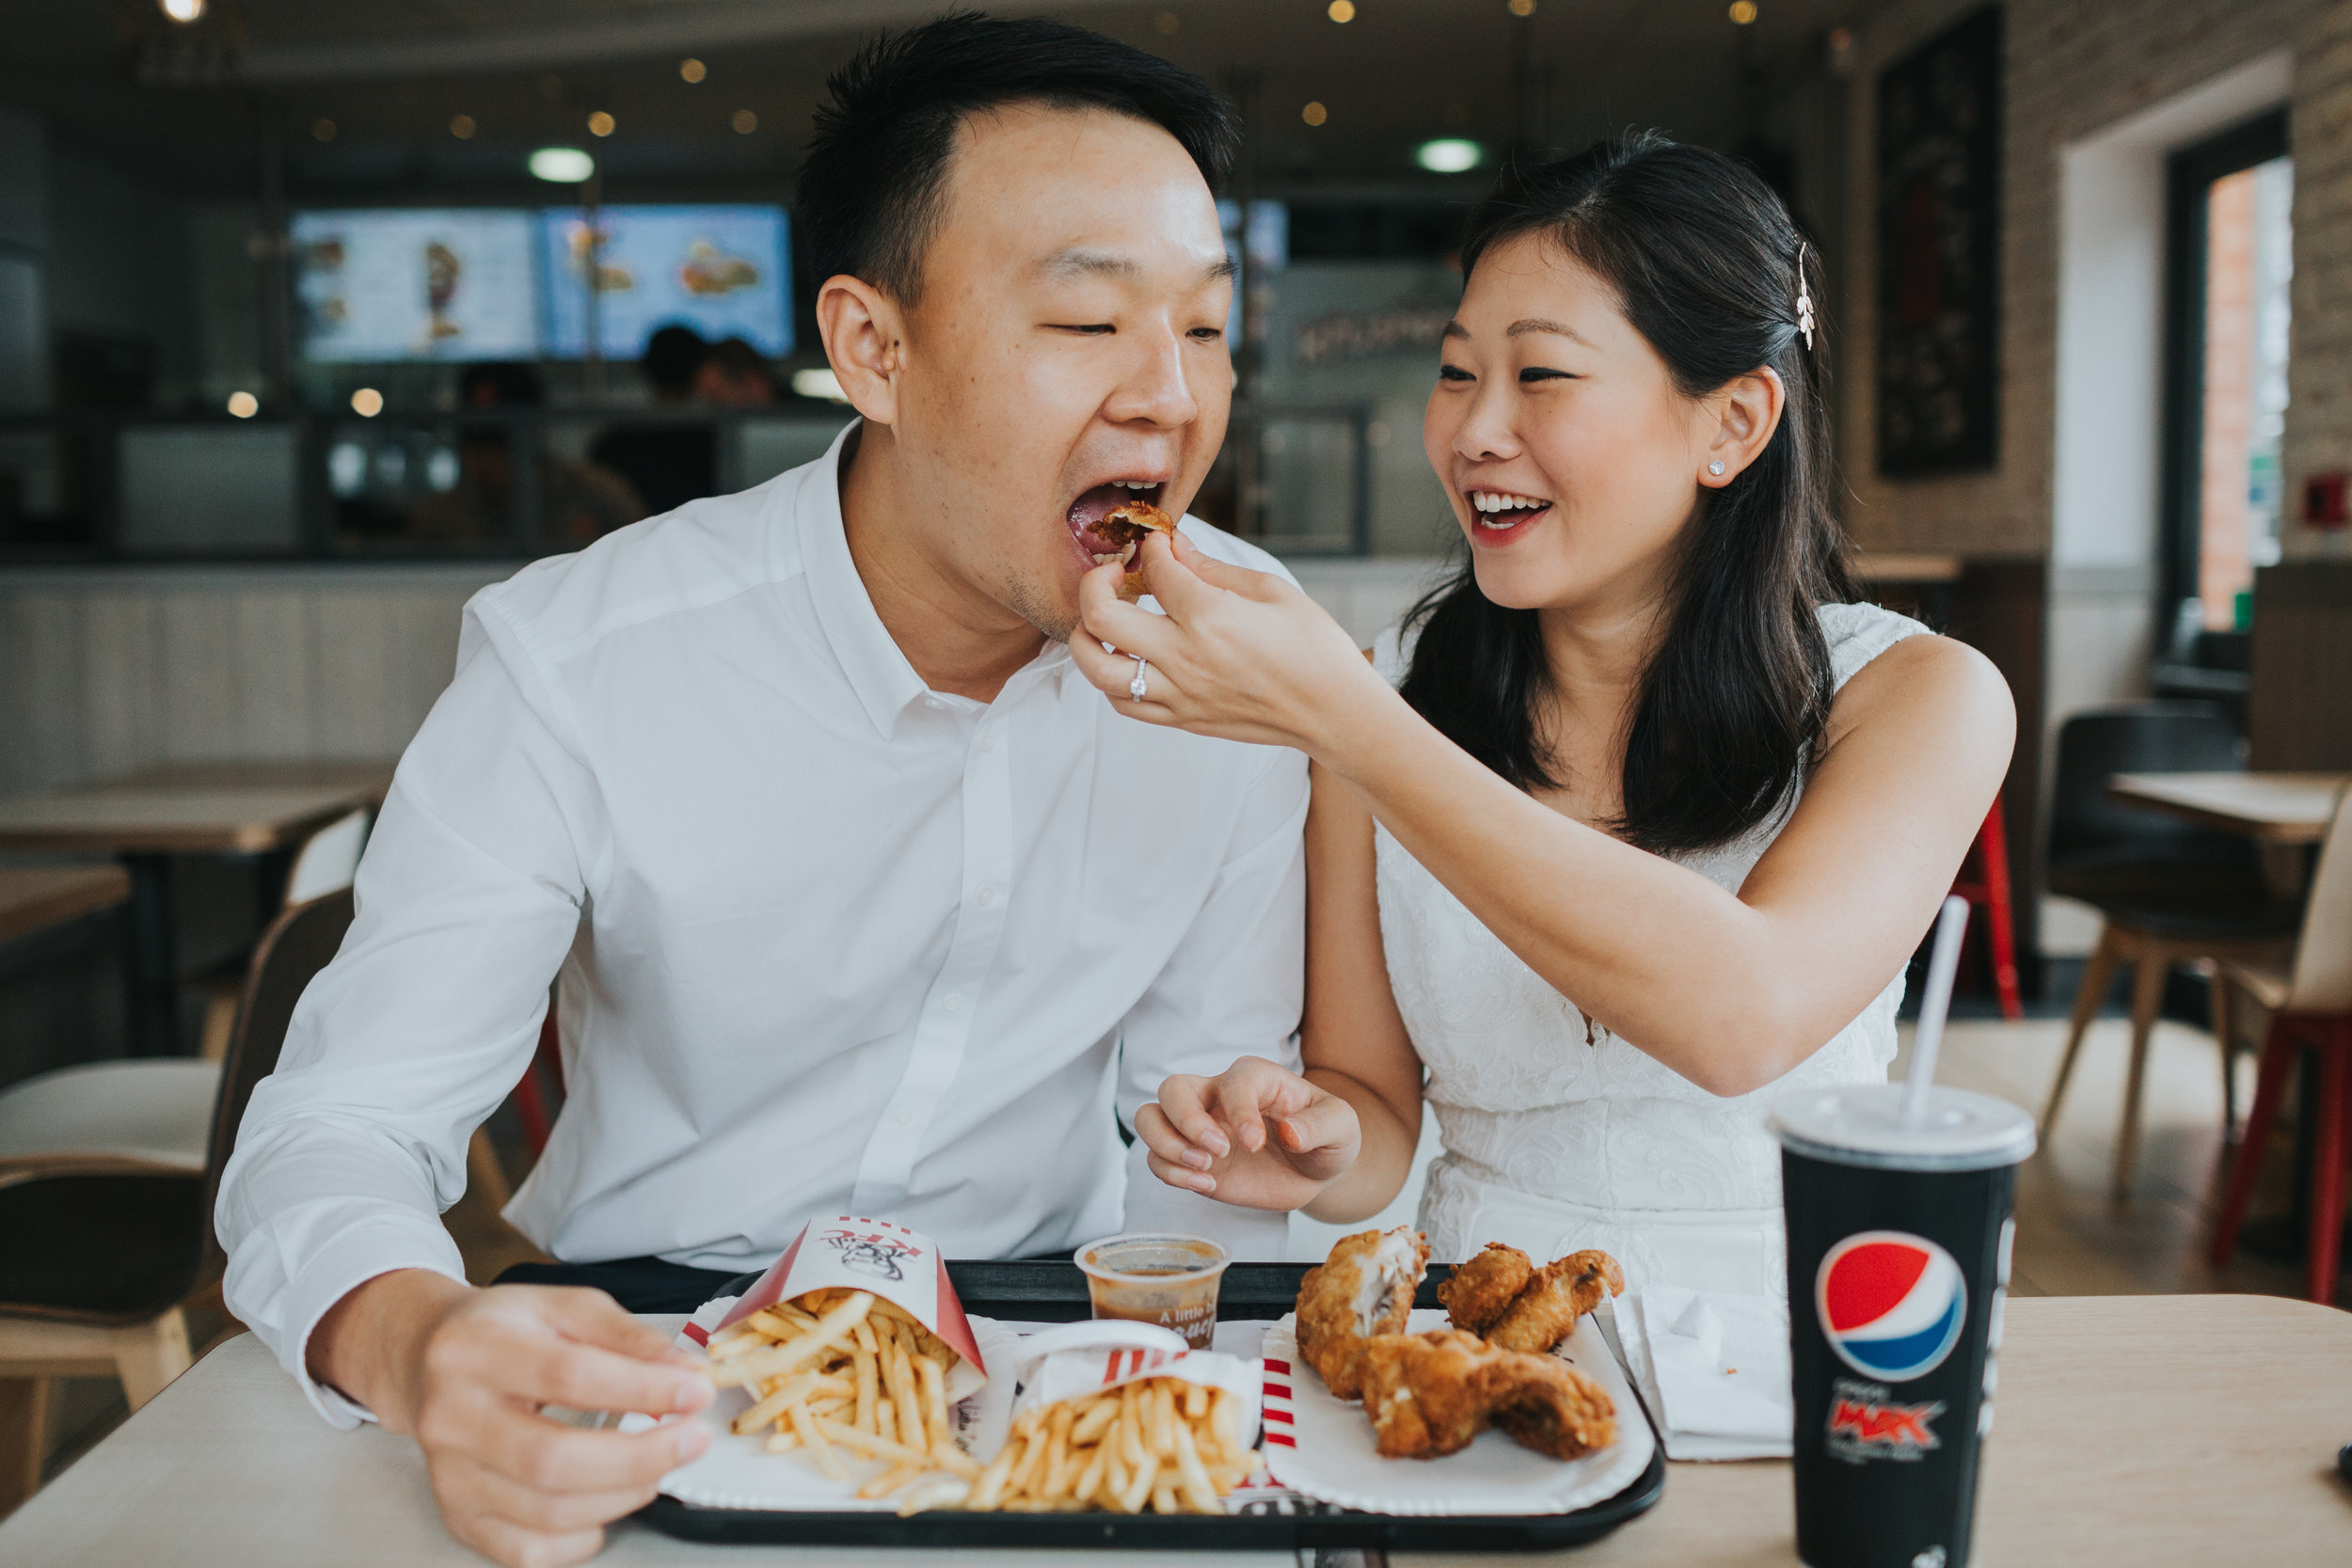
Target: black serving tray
1057, 1293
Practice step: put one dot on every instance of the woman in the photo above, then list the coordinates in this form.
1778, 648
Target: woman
1635, 825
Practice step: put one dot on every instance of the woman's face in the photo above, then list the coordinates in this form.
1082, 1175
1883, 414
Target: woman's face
1572, 460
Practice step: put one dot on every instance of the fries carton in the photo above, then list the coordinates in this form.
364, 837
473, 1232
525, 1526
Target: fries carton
890, 1261
1074, 1373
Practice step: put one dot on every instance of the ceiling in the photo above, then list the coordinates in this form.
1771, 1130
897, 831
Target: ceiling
193, 107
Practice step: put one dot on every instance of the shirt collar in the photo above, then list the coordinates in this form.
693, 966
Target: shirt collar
885, 682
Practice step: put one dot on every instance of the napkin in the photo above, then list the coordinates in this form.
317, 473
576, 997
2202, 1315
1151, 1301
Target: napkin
1713, 1367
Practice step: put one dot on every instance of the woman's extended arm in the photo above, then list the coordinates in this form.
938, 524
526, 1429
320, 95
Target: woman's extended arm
1729, 990
1341, 1142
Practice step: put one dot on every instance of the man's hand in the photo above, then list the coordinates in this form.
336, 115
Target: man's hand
1257, 1135
465, 1371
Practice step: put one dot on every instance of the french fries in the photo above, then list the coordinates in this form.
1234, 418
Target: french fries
852, 1382
1161, 1443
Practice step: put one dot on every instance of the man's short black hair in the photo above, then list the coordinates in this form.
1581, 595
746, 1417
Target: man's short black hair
873, 187
673, 355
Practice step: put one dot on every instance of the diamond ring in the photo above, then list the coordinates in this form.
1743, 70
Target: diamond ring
1136, 688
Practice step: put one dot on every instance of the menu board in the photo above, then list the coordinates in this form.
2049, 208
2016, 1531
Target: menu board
451, 283
723, 271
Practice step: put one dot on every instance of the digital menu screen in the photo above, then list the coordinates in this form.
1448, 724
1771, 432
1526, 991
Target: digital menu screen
722, 270
454, 283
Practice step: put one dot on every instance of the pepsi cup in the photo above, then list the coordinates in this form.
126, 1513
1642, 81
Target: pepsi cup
1899, 1248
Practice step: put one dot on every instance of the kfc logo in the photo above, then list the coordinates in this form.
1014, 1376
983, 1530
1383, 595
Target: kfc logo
867, 1252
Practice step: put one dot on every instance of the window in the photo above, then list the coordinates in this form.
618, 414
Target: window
2230, 242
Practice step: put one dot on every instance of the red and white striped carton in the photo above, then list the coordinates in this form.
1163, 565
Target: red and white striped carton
892, 1261
1074, 1373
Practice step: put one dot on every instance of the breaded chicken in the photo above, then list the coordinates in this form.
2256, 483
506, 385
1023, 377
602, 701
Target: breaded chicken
1127, 526
1430, 1394
1546, 1312
1483, 1289
1363, 1288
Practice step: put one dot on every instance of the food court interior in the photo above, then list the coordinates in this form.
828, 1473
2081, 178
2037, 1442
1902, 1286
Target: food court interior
316, 317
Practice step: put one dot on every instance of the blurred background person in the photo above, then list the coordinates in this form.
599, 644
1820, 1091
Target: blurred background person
734, 374
669, 462
578, 501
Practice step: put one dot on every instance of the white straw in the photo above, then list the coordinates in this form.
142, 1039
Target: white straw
1937, 1000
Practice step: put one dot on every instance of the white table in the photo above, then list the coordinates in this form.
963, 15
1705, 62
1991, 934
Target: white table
2141, 1430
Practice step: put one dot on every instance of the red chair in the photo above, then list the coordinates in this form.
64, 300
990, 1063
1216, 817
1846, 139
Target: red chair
530, 1101
2311, 1005
1988, 889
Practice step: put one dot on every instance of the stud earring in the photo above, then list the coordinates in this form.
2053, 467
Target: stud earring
1716, 468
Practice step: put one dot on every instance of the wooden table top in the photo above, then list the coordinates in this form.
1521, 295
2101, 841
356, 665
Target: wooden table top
2276, 808
371, 776
173, 819
2146, 1429
34, 897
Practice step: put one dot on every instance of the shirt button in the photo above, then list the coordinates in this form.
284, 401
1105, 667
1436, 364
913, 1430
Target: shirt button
904, 1118
987, 895
988, 741
953, 1002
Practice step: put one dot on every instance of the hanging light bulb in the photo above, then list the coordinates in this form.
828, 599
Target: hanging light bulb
183, 12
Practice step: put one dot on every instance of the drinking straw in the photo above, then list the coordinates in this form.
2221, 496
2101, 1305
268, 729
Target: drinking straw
1938, 1002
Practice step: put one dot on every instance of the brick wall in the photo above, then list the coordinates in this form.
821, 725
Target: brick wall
2073, 67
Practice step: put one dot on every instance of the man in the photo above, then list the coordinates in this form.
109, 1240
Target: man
863, 899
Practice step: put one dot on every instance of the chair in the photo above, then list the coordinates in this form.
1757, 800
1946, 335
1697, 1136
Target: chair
2168, 892
2309, 1001
106, 1199
328, 862
1988, 889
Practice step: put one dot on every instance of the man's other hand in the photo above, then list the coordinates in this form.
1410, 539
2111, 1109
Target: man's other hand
1256, 1136
465, 1371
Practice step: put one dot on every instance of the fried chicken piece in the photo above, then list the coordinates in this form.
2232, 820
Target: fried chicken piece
1430, 1394
1484, 1289
1126, 526
1364, 1288
1560, 1292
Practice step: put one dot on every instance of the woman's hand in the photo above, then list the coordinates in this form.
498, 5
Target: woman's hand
1240, 655
1257, 1135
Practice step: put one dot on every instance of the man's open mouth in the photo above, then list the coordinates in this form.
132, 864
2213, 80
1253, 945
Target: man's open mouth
1115, 540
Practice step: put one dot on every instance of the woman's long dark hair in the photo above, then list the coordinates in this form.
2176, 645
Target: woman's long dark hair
1706, 263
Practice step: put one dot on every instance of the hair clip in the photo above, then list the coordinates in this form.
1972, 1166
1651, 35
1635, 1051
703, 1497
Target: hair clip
1804, 298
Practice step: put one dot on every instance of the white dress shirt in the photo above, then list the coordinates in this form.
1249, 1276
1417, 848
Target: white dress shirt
829, 941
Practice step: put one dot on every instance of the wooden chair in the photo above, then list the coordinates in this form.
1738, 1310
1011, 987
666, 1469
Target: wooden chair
2309, 1001
326, 862
2169, 895
105, 1215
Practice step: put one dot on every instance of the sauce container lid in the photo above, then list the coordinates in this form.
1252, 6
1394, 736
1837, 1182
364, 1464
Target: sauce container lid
1862, 1124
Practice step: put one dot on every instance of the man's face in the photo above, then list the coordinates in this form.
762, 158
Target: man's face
1068, 347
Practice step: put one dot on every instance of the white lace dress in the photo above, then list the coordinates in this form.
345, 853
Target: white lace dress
1560, 1135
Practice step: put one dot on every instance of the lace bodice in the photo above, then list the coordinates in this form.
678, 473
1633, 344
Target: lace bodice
1558, 1134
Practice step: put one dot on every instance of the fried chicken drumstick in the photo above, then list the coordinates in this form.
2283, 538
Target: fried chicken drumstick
1430, 1394
1483, 1289
1546, 1312
1364, 1288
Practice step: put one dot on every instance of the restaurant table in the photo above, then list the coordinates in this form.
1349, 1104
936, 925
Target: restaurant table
2269, 808
259, 810
35, 897
2141, 1430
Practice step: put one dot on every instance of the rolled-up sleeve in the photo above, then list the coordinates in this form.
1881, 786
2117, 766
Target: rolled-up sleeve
1233, 988
468, 898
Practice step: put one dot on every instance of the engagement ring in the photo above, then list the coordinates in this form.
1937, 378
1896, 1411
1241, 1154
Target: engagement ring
1136, 688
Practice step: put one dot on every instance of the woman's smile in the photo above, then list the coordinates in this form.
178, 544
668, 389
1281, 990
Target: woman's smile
1501, 518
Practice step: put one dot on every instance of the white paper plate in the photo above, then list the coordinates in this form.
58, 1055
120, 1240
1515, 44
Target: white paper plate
1329, 1456
739, 1472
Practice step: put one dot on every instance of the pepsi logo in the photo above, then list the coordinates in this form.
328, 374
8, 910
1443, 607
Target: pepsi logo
1891, 1304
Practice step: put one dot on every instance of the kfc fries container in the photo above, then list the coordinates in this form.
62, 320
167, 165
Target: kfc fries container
1899, 1251
887, 1260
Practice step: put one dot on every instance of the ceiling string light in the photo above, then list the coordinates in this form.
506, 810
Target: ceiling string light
461, 126
1448, 155
1314, 114
562, 165
1743, 12
183, 12
1341, 11
692, 70
601, 124
745, 122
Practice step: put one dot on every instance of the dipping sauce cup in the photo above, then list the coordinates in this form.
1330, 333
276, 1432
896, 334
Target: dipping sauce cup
1157, 1278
